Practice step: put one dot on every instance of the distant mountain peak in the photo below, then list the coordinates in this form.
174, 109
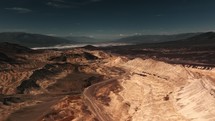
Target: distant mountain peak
137, 39
32, 40
207, 38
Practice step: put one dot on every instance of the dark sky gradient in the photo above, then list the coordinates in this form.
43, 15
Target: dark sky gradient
107, 18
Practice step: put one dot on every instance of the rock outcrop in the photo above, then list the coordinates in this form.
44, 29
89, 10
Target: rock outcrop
156, 91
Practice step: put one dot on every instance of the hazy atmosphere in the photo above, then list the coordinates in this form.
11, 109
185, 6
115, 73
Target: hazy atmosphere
107, 60
106, 18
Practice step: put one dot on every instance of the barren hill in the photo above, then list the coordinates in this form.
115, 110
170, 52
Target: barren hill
91, 84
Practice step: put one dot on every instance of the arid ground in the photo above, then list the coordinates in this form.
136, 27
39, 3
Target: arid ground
127, 83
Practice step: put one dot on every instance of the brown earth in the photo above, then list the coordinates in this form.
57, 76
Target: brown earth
116, 83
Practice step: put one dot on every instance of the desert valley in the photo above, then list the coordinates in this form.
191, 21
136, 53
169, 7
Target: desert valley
168, 81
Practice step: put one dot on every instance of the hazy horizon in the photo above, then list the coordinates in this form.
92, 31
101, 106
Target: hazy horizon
104, 39
108, 19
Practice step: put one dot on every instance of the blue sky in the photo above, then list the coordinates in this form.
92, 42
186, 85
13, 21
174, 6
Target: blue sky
107, 18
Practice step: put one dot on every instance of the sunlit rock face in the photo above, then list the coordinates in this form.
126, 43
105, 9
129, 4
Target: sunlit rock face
156, 91
195, 100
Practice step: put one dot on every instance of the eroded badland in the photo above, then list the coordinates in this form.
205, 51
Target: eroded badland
91, 84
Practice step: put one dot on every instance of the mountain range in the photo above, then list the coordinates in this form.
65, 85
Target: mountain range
82, 39
206, 39
39, 40
138, 39
32, 40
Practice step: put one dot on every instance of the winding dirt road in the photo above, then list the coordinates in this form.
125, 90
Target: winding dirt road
91, 103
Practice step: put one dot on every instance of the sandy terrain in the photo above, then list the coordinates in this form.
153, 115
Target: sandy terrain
157, 91
89, 85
